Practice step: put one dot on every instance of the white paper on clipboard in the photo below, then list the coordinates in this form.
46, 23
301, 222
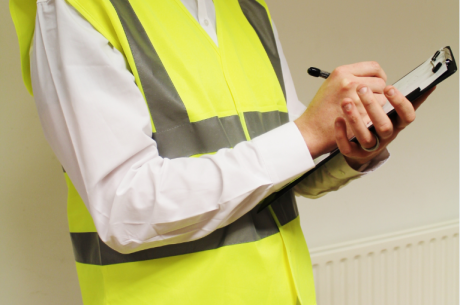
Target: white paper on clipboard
421, 77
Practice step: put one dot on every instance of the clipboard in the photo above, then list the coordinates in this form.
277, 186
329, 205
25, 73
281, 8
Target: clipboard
414, 84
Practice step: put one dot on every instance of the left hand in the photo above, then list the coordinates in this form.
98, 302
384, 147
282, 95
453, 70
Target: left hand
386, 129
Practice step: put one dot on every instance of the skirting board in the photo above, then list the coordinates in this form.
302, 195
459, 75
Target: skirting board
411, 267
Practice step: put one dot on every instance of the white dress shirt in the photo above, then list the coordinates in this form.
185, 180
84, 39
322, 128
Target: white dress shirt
97, 122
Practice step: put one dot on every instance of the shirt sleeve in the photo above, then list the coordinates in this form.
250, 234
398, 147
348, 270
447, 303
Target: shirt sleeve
97, 123
336, 173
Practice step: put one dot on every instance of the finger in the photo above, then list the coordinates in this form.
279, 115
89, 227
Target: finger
350, 89
382, 123
381, 100
422, 98
404, 108
376, 84
368, 68
346, 147
353, 118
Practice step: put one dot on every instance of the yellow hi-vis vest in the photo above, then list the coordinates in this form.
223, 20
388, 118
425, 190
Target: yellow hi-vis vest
201, 98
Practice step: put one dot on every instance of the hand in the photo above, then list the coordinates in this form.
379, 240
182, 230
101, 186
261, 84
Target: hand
386, 129
317, 123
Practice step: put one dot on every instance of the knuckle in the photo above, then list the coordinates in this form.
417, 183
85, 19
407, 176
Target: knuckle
375, 65
366, 101
344, 84
378, 69
367, 141
386, 130
338, 72
348, 84
353, 119
381, 99
400, 128
384, 76
340, 138
345, 150
411, 117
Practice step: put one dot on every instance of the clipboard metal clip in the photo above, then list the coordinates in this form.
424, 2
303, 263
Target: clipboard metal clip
433, 62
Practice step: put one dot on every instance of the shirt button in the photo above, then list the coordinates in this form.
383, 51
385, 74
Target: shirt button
206, 22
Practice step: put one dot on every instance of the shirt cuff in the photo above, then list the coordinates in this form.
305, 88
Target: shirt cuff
284, 153
378, 161
339, 168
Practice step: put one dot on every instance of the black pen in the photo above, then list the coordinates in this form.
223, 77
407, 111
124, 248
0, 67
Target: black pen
318, 73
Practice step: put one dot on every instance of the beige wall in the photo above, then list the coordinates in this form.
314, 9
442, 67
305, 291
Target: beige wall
36, 260
418, 186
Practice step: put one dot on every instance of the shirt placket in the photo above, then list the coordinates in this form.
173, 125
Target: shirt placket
204, 18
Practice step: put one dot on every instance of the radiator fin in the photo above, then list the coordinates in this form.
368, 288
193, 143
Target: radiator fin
414, 267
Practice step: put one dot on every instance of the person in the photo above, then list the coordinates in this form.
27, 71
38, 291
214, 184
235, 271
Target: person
173, 120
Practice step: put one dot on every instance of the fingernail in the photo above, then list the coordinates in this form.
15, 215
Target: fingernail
391, 92
362, 90
347, 107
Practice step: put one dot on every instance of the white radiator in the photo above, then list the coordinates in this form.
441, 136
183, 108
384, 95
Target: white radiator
414, 267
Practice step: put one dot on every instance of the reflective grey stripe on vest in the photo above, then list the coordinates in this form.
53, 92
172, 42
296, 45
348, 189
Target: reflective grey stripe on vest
178, 137
261, 122
285, 208
89, 249
175, 134
257, 16
201, 137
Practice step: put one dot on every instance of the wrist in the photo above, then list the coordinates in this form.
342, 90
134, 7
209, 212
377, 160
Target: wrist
313, 143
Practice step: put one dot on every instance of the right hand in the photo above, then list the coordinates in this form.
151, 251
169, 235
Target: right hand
317, 122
